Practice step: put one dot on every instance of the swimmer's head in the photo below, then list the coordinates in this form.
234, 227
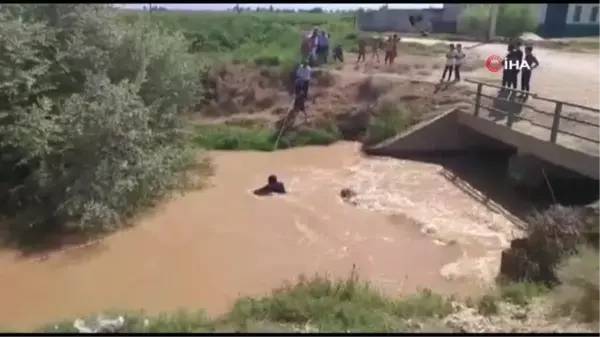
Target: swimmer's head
272, 179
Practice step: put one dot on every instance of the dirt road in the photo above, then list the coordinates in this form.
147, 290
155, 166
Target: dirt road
572, 77
564, 76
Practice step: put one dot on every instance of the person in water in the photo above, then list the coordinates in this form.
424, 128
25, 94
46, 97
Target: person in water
272, 186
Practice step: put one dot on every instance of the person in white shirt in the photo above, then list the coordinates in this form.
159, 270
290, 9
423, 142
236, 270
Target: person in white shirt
459, 57
303, 74
449, 67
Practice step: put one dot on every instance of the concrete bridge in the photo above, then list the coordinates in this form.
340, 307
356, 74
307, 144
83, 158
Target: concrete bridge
557, 142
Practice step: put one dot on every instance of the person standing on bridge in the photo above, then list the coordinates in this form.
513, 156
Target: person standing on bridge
509, 76
526, 73
505, 73
518, 56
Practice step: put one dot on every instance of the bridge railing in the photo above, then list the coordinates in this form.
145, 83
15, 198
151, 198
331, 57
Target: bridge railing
512, 108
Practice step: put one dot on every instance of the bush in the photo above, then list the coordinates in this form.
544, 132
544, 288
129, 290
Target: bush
552, 235
388, 120
579, 292
91, 116
512, 20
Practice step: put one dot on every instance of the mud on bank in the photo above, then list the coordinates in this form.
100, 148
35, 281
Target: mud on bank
244, 107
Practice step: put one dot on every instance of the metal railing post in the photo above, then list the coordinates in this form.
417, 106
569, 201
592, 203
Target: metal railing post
478, 99
556, 122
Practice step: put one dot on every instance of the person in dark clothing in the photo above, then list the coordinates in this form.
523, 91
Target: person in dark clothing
338, 53
533, 63
362, 50
299, 105
506, 72
518, 57
272, 186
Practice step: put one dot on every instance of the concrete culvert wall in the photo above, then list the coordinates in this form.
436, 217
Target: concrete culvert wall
440, 135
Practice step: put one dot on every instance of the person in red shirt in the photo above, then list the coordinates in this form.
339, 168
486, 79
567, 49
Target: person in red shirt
395, 41
387, 59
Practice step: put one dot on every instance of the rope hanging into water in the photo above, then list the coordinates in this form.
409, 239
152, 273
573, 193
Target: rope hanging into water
283, 126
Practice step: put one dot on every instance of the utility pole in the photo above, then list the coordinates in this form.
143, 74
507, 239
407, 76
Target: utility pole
493, 18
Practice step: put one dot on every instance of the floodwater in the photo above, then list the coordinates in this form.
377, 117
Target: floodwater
206, 248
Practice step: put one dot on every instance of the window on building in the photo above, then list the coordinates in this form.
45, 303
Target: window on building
577, 14
594, 14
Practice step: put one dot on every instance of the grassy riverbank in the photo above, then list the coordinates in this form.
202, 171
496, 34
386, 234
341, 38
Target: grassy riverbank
319, 304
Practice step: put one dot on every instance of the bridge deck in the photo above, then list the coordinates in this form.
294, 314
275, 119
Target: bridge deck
566, 126
578, 128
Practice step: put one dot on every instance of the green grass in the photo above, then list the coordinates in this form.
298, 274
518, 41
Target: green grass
231, 137
310, 304
250, 36
320, 304
515, 293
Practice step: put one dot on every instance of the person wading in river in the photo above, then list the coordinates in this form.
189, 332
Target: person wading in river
272, 186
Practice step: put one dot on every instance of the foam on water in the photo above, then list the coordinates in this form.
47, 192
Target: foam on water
435, 199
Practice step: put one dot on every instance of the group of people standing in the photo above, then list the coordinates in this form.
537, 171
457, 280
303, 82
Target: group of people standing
388, 45
515, 56
454, 60
315, 46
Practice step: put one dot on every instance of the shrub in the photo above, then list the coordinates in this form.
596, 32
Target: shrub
512, 20
339, 305
552, 235
578, 295
388, 120
91, 116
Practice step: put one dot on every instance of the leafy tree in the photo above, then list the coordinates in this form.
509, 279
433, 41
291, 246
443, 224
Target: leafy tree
90, 116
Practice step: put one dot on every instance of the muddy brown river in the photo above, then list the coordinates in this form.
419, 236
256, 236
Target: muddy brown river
412, 228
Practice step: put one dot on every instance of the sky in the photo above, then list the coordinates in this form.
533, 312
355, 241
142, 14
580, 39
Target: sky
327, 6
